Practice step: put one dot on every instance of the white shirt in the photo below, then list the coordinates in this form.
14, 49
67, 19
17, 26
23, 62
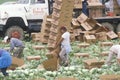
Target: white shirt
109, 5
66, 38
118, 2
116, 50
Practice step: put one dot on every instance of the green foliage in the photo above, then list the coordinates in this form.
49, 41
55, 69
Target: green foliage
75, 69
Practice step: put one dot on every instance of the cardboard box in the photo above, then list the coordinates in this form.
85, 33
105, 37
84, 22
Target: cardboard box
72, 37
116, 8
33, 58
36, 40
82, 18
44, 39
93, 63
78, 4
52, 44
37, 47
55, 22
94, 3
101, 36
75, 22
77, 32
51, 64
51, 55
118, 34
104, 53
57, 6
102, 44
92, 22
35, 35
86, 26
54, 29
110, 77
23, 66
17, 61
66, 78
81, 55
83, 45
112, 35
56, 14
40, 67
95, 11
83, 33
53, 37
40, 79
90, 38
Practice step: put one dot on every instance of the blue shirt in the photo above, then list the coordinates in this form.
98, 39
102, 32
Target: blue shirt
5, 59
14, 42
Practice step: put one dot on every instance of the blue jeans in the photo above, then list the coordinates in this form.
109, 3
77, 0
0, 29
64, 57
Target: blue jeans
3, 70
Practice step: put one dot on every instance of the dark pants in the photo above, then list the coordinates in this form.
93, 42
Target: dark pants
18, 52
3, 70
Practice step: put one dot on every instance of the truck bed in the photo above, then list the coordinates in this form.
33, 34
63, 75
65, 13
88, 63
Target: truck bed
114, 19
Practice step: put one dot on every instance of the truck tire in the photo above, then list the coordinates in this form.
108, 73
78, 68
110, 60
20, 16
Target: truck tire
108, 25
15, 29
118, 28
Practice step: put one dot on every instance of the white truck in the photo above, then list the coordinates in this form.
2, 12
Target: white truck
23, 16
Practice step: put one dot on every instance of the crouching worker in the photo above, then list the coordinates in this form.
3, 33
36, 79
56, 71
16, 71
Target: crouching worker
18, 44
114, 50
65, 46
5, 61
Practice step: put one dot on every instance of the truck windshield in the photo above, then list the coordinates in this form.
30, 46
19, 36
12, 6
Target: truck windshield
23, 1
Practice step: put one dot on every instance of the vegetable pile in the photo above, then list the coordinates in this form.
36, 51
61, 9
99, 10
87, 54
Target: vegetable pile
75, 69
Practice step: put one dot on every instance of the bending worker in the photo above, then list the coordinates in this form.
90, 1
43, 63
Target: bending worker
18, 44
114, 50
5, 61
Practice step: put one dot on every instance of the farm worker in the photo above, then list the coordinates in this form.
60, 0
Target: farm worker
118, 2
65, 46
84, 7
114, 50
18, 44
109, 6
5, 61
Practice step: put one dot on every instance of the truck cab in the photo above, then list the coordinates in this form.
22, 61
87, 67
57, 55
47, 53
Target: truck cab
23, 16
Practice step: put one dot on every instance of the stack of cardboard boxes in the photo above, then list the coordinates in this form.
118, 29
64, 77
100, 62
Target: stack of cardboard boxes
116, 8
62, 16
89, 30
95, 8
45, 30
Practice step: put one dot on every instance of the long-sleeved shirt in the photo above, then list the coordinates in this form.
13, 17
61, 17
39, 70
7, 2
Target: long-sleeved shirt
14, 42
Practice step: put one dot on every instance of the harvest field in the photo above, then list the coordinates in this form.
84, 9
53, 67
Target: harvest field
75, 69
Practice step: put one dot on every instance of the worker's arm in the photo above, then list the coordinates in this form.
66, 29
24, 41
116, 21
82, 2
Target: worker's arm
59, 42
11, 46
118, 58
